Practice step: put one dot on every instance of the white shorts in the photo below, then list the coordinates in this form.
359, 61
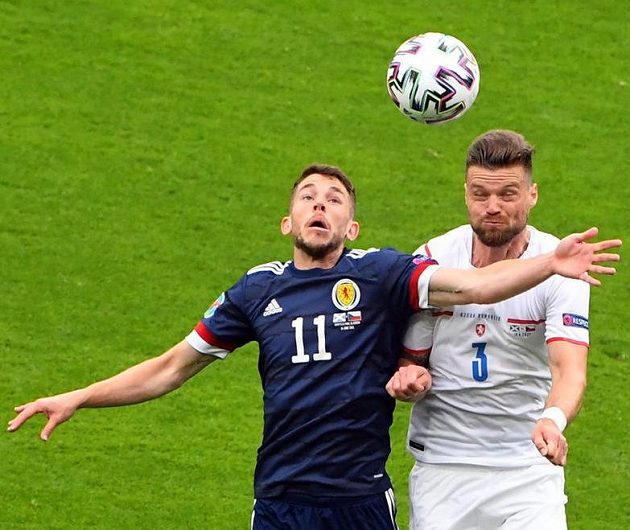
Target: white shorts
466, 497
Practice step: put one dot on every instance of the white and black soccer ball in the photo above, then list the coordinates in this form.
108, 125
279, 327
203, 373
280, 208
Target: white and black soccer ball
433, 78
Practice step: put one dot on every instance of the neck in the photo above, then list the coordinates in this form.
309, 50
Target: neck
483, 255
304, 261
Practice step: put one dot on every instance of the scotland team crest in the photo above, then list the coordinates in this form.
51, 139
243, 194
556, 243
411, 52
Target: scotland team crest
346, 294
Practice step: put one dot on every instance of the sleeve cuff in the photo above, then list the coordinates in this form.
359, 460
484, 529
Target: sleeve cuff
195, 340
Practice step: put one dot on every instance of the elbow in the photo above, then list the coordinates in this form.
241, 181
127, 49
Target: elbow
582, 383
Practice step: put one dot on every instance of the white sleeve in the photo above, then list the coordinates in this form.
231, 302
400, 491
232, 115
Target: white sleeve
567, 311
195, 340
423, 286
418, 338
422, 249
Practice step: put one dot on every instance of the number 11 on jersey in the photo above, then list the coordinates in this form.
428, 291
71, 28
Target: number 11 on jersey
301, 356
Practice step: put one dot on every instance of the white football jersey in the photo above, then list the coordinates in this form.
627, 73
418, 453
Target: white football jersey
489, 362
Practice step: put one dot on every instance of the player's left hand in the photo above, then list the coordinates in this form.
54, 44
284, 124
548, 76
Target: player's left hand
409, 383
550, 441
575, 258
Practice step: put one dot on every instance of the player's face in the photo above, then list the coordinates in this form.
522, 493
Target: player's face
321, 216
499, 201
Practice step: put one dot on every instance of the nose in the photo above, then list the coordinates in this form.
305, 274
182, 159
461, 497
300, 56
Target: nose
319, 205
493, 205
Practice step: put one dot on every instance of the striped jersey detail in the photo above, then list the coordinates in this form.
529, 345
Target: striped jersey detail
276, 267
358, 253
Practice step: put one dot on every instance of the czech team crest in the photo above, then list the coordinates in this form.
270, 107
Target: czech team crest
346, 294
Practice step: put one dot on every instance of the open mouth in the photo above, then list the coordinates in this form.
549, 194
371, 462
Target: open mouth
318, 222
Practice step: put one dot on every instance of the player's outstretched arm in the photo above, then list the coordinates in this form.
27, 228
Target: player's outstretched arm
142, 382
574, 258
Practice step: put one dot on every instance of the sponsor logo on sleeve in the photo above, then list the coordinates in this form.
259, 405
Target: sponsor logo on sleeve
574, 321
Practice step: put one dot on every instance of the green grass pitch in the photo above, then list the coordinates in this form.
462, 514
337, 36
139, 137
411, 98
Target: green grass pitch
147, 149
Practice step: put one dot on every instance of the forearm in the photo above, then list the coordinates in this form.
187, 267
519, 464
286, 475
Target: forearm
139, 383
490, 284
568, 365
566, 393
144, 381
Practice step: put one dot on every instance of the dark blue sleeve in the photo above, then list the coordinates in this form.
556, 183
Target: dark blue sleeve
401, 281
225, 324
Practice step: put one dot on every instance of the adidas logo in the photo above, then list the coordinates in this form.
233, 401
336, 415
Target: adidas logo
272, 308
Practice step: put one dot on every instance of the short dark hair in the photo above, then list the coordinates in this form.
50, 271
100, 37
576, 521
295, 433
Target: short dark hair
329, 171
500, 148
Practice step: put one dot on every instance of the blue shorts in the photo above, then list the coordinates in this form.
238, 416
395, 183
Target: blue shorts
373, 512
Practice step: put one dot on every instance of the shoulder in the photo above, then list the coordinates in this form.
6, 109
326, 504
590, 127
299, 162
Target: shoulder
540, 242
275, 268
371, 259
357, 253
558, 286
379, 263
455, 240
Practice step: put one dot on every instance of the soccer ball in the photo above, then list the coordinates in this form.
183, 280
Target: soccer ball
433, 78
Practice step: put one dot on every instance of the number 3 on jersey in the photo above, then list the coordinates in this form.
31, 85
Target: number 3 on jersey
321, 355
480, 362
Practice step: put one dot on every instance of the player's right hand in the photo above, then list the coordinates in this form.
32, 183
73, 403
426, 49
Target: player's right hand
550, 442
56, 408
575, 257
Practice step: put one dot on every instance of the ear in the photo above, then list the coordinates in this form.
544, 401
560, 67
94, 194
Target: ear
533, 195
465, 193
286, 225
353, 231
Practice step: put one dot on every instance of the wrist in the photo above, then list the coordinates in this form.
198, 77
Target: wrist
556, 415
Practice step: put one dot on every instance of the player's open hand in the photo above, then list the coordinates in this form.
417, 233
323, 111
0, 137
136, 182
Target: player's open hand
409, 383
575, 258
550, 442
57, 409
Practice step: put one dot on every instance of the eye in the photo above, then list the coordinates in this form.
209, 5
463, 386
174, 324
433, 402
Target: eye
335, 200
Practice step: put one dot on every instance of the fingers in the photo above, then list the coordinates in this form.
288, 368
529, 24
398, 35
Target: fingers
597, 258
601, 269
557, 451
28, 410
48, 428
588, 234
25, 412
409, 382
590, 280
605, 245
550, 443
539, 442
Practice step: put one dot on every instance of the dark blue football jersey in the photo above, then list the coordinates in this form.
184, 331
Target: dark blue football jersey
329, 341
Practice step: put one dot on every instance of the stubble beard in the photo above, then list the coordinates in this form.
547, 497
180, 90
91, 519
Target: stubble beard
317, 251
498, 237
